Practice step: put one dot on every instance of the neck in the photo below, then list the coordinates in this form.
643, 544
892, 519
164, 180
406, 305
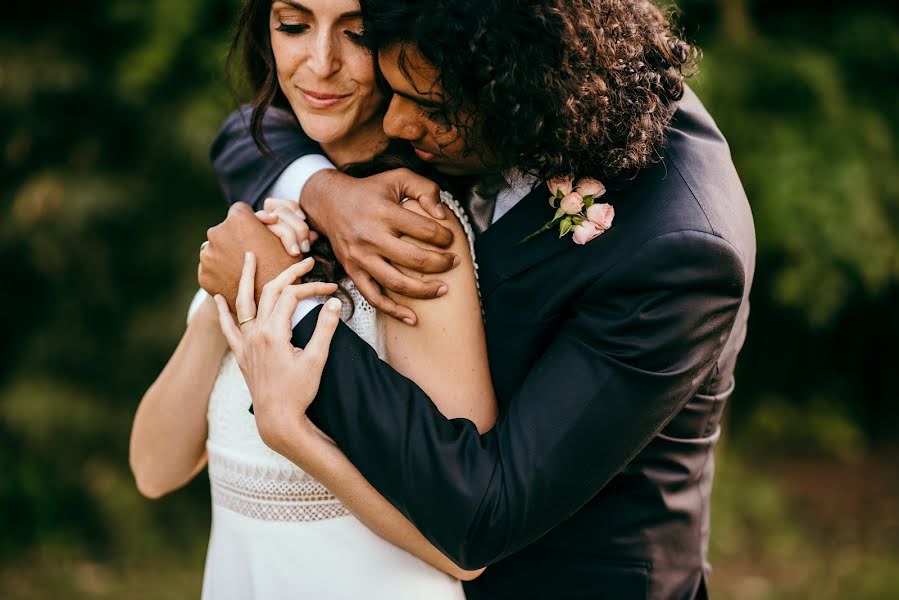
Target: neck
359, 146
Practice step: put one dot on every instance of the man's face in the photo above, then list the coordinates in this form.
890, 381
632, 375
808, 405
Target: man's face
415, 115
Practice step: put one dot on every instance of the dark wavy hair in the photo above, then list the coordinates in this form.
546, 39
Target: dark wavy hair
584, 87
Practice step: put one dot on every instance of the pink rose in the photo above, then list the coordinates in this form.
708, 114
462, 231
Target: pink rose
572, 203
563, 184
590, 187
601, 215
586, 231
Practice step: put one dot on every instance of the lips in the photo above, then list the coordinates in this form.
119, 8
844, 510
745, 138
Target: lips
322, 100
424, 154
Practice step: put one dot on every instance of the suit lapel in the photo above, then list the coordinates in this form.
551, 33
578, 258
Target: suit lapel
499, 251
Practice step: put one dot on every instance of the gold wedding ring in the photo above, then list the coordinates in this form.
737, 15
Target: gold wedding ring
247, 320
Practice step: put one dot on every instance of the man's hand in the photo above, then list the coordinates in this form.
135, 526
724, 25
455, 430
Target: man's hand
365, 224
222, 259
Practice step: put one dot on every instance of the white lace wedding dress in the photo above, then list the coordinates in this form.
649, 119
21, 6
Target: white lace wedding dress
277, 533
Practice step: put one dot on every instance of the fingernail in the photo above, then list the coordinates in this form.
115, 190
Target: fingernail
333, 305
300, 214
305, 246
442, 291
295, 249
456, 260
306, 260
246, 256
441, 213
408, 321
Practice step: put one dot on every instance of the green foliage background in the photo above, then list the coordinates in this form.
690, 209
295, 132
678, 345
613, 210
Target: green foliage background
107, 110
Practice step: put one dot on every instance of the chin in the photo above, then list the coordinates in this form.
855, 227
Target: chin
322, 129
323, 135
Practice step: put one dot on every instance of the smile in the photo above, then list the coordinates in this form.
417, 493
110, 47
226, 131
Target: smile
321, 101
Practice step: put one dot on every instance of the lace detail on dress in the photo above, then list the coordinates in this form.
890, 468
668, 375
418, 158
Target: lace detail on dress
460, 213
270, 493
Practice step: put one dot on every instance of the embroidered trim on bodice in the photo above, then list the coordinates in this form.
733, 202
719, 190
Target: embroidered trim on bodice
270, 493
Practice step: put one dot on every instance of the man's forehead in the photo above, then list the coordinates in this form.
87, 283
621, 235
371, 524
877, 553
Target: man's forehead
410, 75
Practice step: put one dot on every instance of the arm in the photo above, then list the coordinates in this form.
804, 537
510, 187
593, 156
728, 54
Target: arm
368, 245
641, 339
446, 353
169, 433
337, 473
277, 418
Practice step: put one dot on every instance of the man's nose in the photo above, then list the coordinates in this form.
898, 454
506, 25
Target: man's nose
400, 121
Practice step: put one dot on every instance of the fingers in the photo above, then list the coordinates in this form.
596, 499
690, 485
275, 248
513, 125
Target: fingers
405, 253
422, 189
287, 235
315, 354
392, 279
299, 226
419, 227
270, 204
229, 327
285, 219
267, 217
272, 290
290, 298
245, 303
371, 291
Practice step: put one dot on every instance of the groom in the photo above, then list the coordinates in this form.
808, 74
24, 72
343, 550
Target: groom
611, 361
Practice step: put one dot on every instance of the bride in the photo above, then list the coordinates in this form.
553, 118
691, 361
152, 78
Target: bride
276, 531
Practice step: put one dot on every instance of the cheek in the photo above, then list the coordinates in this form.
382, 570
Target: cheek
288, 56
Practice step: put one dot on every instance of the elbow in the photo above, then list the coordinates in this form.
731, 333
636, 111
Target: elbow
149, 486
470, 575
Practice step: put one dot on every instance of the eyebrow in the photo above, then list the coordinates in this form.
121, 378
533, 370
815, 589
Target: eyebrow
347, 15
419, 100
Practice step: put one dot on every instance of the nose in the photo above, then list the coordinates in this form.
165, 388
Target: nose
324, 59
401, 120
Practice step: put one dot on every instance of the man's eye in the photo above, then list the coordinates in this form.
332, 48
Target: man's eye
434, 116
292, 29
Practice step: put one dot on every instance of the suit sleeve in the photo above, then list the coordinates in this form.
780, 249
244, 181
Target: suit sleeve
636, 346
244, 172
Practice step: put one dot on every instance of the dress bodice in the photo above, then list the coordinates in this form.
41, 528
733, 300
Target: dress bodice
245, 474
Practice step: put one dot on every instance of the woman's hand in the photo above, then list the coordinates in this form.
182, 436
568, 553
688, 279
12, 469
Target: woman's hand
286, 220
283, 380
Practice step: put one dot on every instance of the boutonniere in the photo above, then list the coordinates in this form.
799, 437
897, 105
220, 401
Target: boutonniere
577, 211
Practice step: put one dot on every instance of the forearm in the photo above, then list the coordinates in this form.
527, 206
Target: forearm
319, 457
170, 428
487, 496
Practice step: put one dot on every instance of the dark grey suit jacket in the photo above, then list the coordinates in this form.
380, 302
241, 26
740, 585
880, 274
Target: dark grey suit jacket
611, 362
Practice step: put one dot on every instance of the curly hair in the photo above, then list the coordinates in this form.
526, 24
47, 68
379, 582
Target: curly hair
559, 86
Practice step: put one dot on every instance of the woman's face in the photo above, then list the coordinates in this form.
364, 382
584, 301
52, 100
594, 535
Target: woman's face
326, 75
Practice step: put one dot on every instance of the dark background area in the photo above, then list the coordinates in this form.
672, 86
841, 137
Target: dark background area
107, 110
